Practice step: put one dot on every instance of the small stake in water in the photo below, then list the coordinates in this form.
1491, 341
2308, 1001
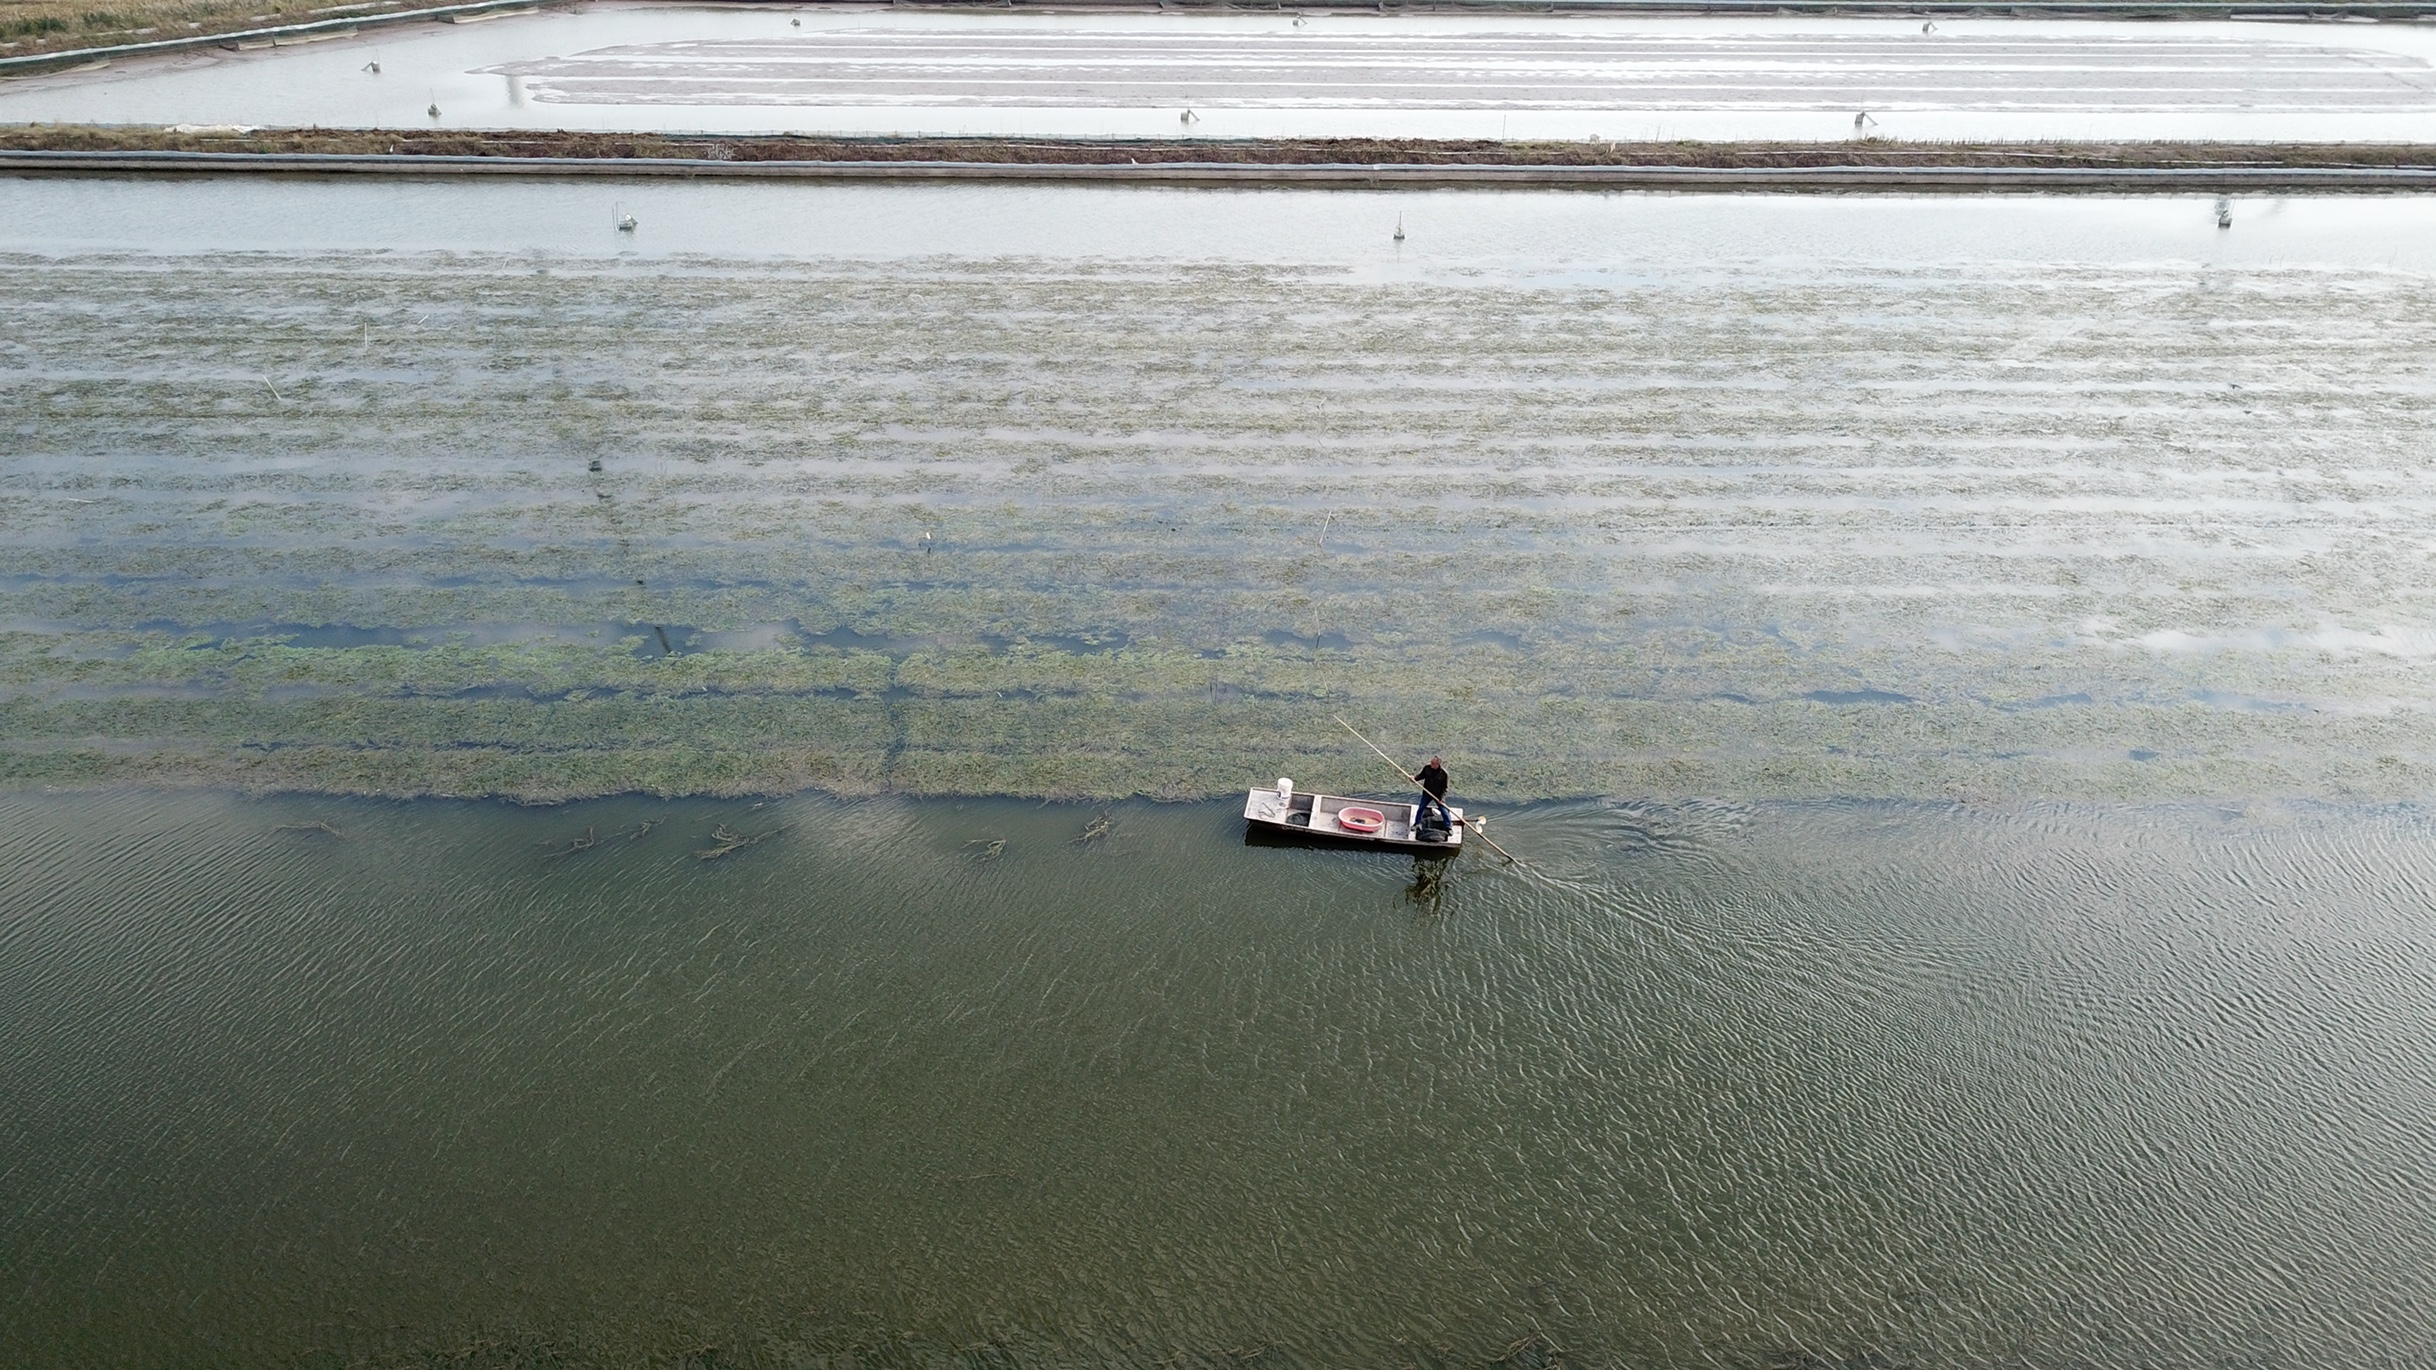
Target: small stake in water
1399, 228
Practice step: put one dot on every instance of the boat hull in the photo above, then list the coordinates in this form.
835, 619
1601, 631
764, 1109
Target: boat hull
1310, 819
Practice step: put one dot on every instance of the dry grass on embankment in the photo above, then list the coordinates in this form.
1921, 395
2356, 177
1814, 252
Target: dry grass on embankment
1260, 152
30, 27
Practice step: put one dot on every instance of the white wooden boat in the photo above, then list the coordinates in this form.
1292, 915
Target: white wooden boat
1283, 811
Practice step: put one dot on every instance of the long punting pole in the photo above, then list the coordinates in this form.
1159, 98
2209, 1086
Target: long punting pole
1476, 827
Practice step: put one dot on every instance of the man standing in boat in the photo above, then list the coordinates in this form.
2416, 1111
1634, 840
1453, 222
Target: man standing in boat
1432, 781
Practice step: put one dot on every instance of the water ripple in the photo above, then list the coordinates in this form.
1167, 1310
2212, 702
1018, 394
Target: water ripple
1697, 1084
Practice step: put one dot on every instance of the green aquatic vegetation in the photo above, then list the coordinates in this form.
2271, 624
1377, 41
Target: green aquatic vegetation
1103, 530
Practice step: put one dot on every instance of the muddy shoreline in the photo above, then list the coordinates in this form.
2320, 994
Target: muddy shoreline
1263, 152
1323, 163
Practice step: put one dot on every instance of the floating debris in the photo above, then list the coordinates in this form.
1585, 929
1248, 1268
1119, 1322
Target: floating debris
581, 844
320, 825
1094, 830
991, 848
1534, 1349
725, 841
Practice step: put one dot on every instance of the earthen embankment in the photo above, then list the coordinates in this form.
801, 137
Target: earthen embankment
1864, 165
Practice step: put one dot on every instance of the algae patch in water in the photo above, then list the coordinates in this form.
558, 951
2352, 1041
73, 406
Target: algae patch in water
1100, 529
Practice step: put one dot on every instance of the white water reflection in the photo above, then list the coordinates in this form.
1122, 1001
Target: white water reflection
636, 67
1539, 237
1565, 70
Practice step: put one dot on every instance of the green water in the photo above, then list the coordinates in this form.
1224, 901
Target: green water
1705, 1085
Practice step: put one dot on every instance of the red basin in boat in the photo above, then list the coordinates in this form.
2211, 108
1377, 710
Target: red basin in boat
1360, 820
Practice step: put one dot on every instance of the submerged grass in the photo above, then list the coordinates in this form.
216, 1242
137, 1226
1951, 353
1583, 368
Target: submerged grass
1116, 528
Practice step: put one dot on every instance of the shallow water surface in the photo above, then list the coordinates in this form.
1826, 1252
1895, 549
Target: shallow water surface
430, 488
847, 69
311, 1081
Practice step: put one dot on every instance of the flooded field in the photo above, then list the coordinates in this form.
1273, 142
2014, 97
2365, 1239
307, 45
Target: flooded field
840, 69
576, 795
1106, 493
575, 760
